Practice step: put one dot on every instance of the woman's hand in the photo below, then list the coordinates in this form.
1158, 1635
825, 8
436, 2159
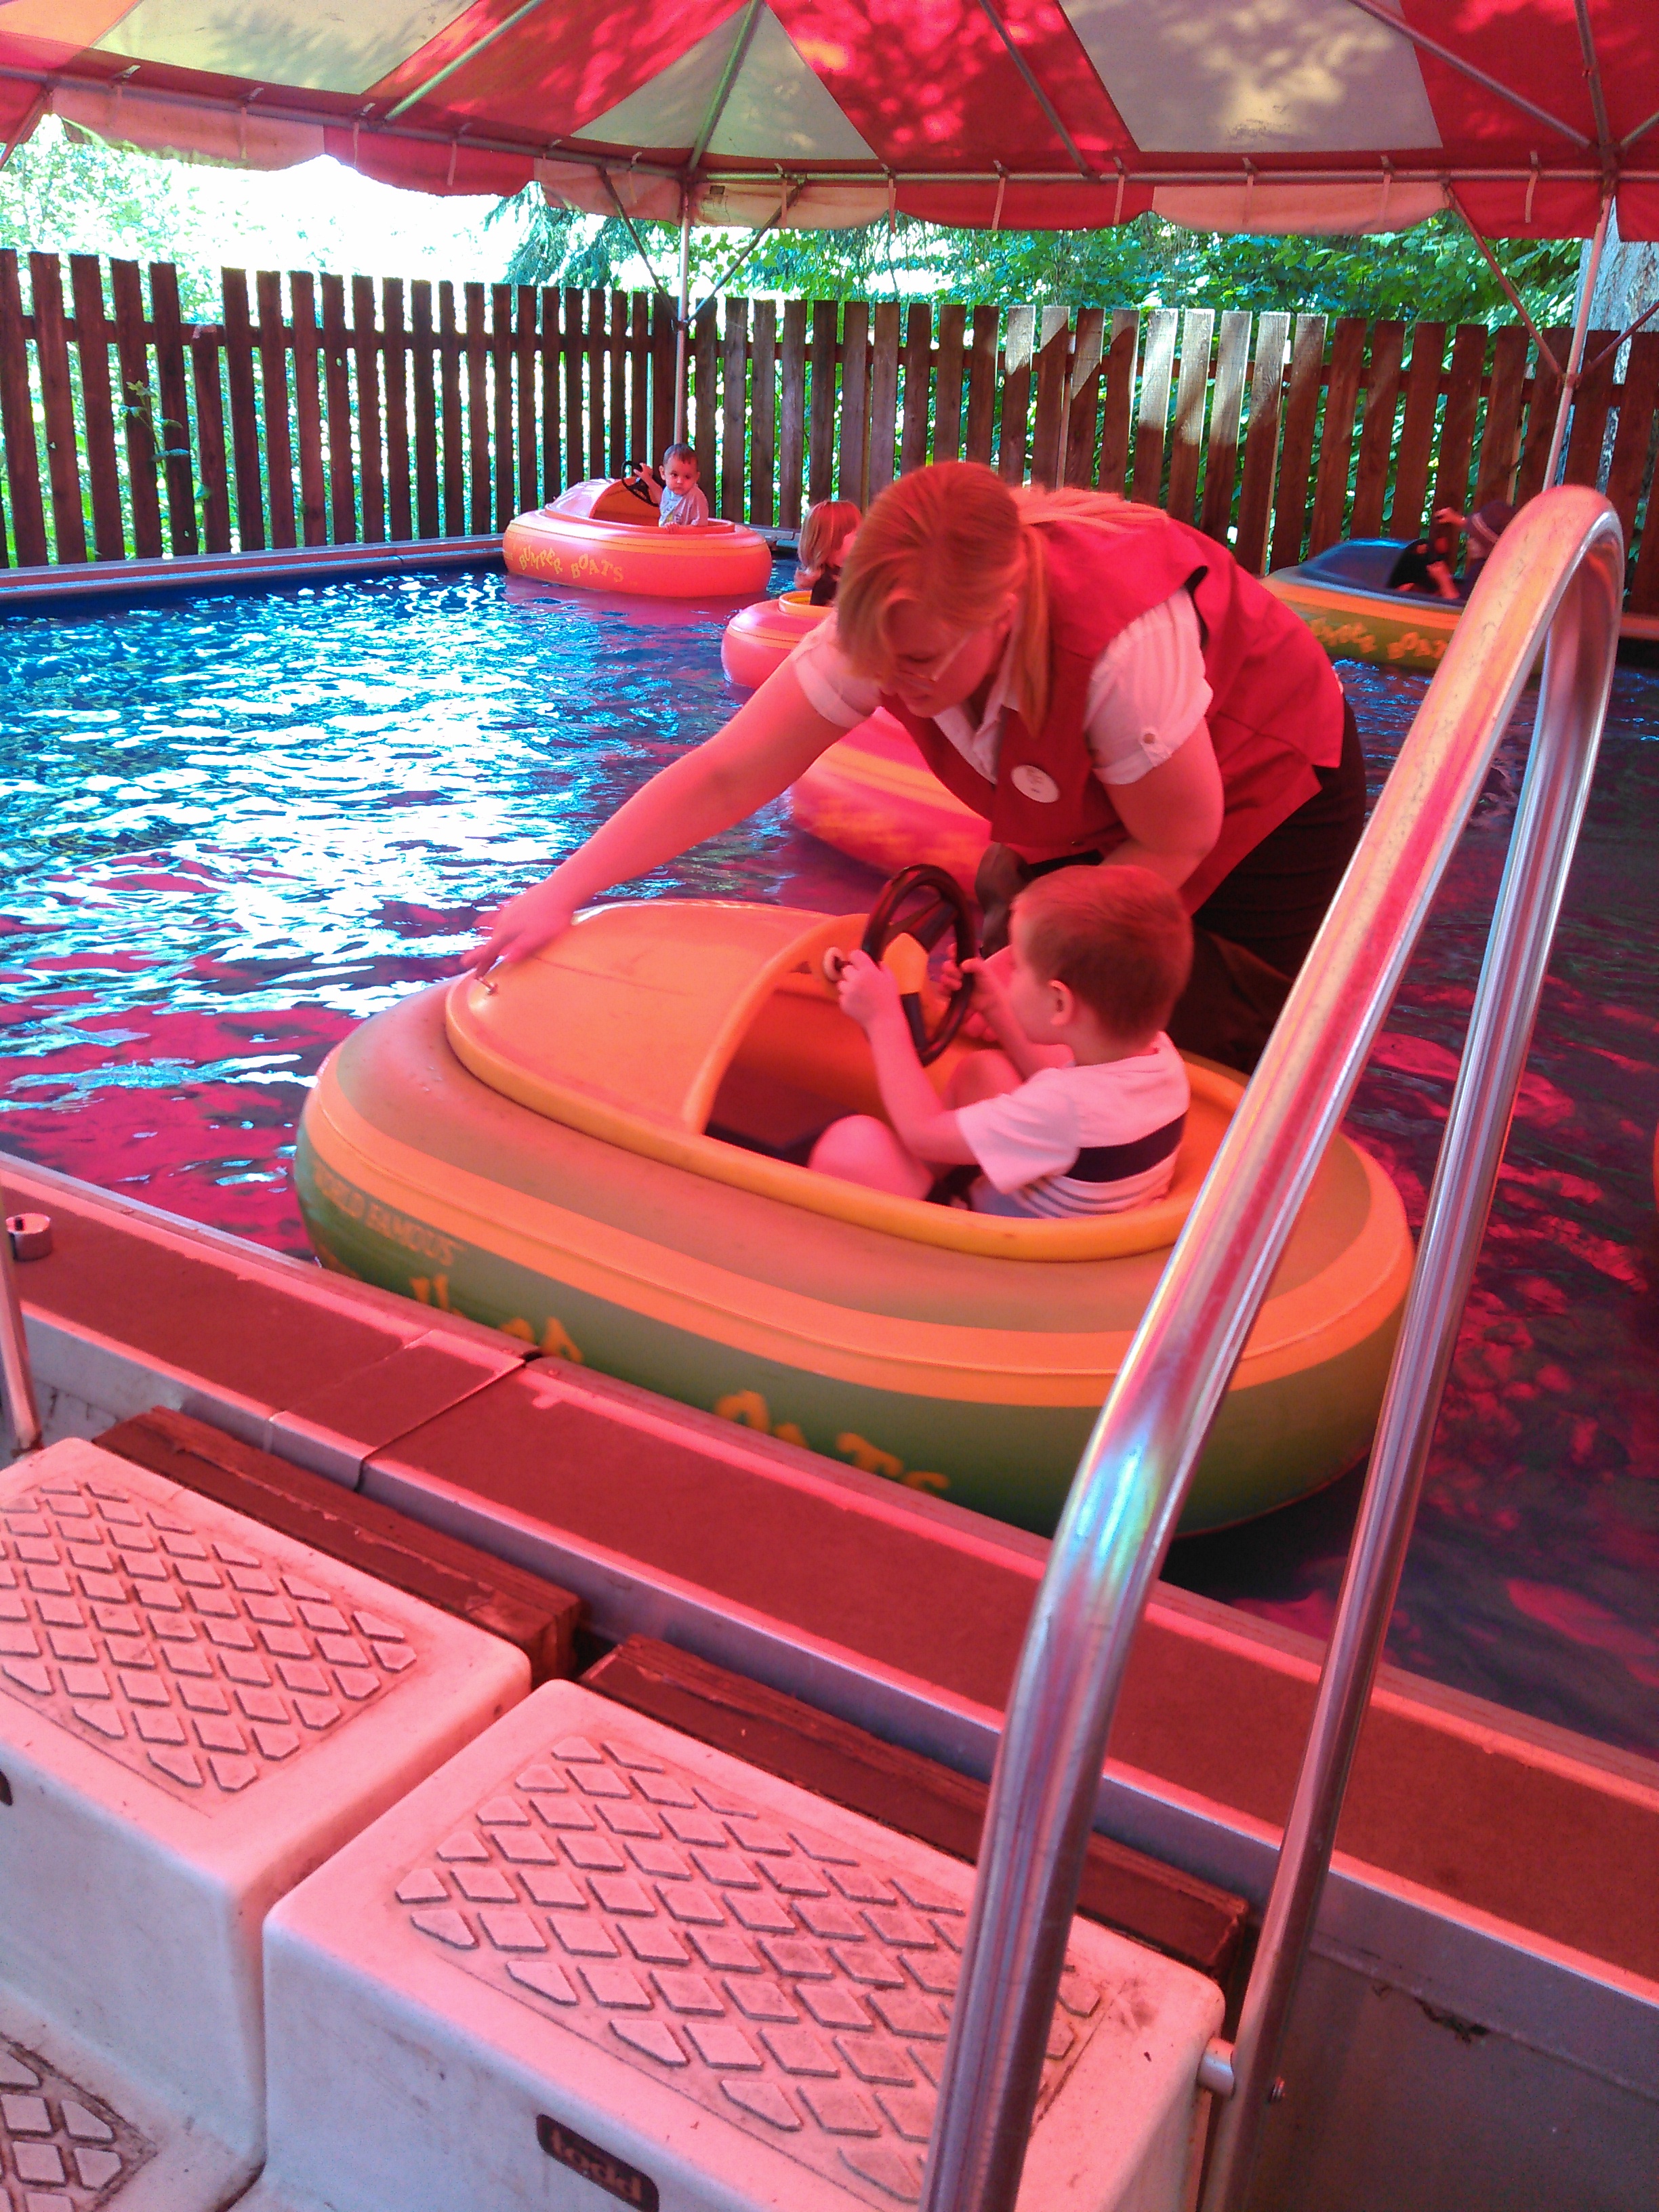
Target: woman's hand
867, 991
522, 926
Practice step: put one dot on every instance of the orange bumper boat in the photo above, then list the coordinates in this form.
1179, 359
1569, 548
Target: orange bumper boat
602, 537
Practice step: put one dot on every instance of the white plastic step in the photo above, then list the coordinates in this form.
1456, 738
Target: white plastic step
592, 1959
195, 1711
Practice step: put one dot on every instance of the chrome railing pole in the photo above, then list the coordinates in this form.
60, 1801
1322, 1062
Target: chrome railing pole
1569, 724
15, 1376
1130, 1484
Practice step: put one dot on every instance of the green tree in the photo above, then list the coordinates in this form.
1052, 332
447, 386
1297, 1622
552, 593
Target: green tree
64, 192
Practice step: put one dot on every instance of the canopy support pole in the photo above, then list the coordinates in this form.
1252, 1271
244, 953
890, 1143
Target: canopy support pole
683, 319
1580, 333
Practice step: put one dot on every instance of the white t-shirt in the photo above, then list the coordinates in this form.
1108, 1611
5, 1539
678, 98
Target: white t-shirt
682, 510
1085, 1140
1147, 692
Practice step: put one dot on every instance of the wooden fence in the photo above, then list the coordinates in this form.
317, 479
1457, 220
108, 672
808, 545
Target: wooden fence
317, 411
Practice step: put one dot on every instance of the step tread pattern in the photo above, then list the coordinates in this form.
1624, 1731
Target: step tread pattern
62, 2149
180, 1648
764, 1970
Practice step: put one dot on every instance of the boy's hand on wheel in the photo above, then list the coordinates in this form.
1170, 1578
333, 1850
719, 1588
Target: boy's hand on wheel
867, 989
521, 928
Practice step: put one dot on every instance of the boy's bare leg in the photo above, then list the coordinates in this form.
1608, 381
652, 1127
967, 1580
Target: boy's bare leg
860, 1149
979, 1075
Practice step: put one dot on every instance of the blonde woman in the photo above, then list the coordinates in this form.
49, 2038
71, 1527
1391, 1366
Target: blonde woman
1104, 685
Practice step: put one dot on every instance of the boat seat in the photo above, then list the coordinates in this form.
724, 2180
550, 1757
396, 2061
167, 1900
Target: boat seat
593, 1946
194, 1711
1364, 564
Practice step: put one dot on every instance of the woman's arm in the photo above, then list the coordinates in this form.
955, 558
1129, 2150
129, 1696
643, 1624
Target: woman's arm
1172, 813
768, 743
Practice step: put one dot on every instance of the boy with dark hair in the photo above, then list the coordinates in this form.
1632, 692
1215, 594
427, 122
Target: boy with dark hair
1082, 1110
675, 492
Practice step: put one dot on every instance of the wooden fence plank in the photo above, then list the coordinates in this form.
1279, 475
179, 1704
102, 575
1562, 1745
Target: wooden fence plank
92, 340
308, 411
1152, 414
1082, 396
883, 395
500, 373
616, 387
28, 514
1411, 467
337, 393
947, 383
400, 520
639, 385
734, 408
57, 407
917, 381
1591, 404
273, 388
596, 368
1644, 581
1256, 487
1118, 412
570, 340
476, 344
1632, 445
821, 413
762, 413
423, 379
1019, 346
853, 461
173, 422
1500, 435
247, 459
455, 448
664, 350
371, 468
706, 410
1186, 431
213, 473
552, 417
1048, 432
1226, 413
982, 384
139, 411
1376, 429
1540, 418
1302, 396
528, 493
1336, 439
1455, 451
792, 412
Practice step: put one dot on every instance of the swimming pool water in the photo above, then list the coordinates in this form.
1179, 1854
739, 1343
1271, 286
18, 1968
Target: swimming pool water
239, 824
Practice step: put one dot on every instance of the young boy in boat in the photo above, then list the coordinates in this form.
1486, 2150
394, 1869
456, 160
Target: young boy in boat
673, 491
1081, 1112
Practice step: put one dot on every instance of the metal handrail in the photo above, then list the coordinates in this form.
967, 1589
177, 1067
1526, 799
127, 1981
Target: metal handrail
1558, 570
16, 1381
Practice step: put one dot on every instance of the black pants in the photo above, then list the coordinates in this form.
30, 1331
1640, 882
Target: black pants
1252, 933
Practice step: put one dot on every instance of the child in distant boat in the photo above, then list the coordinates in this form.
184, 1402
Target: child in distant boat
674, 490
1081, 1112
826, 539
1425, 565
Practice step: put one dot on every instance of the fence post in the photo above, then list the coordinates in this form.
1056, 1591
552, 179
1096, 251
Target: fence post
792, 412
762, 415
734, 408
366, 348
400, 522
1226, 411
1020, 342
273, 378
247, 460
1191, 396
174, 423
1377, 426
423, 348
91, 335
1255, 490
29, 517
1296, 457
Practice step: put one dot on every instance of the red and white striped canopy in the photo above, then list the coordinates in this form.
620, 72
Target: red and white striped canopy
1269, 115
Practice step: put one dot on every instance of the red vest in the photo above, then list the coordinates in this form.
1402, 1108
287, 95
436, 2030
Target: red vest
1276, 714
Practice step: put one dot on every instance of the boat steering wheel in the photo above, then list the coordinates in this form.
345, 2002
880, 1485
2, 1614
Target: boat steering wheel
637, 486
922, 902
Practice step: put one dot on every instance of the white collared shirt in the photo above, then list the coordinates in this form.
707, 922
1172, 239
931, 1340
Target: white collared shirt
1147, 693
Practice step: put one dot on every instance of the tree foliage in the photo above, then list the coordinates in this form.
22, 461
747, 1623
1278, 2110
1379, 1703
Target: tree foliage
1435, 271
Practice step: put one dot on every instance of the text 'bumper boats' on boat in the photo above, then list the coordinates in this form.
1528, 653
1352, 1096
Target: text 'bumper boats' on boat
597, 1152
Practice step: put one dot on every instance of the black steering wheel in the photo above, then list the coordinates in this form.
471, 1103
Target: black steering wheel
922, 903
636, 485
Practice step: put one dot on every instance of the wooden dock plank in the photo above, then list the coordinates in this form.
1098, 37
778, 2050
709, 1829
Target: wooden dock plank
93, 334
